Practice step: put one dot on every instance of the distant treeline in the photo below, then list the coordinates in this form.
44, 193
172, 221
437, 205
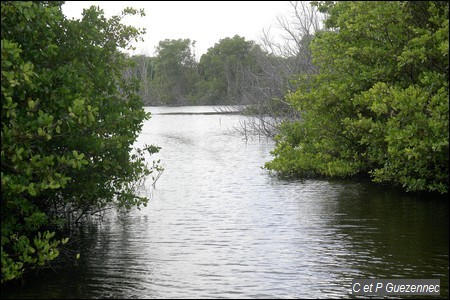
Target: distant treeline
234, 71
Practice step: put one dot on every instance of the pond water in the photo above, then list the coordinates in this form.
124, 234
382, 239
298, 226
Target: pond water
220, 226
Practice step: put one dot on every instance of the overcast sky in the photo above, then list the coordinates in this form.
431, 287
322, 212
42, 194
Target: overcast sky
206, 22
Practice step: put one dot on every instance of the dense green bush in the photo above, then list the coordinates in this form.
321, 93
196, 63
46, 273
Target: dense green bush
69, 121
379, 103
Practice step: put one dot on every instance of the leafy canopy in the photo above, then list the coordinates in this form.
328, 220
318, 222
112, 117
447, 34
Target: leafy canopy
69, 120
378, 105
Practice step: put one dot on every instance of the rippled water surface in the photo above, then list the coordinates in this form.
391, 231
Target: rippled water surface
219, 226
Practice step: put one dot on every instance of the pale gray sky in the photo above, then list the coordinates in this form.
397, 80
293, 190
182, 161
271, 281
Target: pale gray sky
206, 22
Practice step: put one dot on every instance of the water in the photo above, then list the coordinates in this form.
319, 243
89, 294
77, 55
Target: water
219, 226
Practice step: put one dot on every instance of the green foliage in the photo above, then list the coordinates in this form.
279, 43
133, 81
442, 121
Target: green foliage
379, 105
222, 70
176, 70
174, 77
69, 121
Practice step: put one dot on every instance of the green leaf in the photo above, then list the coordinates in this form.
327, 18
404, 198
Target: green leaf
40, 131
31, 190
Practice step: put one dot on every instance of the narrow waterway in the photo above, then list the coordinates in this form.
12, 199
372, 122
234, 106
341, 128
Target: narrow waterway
219, 226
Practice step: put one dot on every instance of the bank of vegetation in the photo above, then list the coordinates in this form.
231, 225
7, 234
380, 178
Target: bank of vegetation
69, 122
378, 104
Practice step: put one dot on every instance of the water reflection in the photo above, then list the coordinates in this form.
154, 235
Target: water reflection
219, 226
395, 235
